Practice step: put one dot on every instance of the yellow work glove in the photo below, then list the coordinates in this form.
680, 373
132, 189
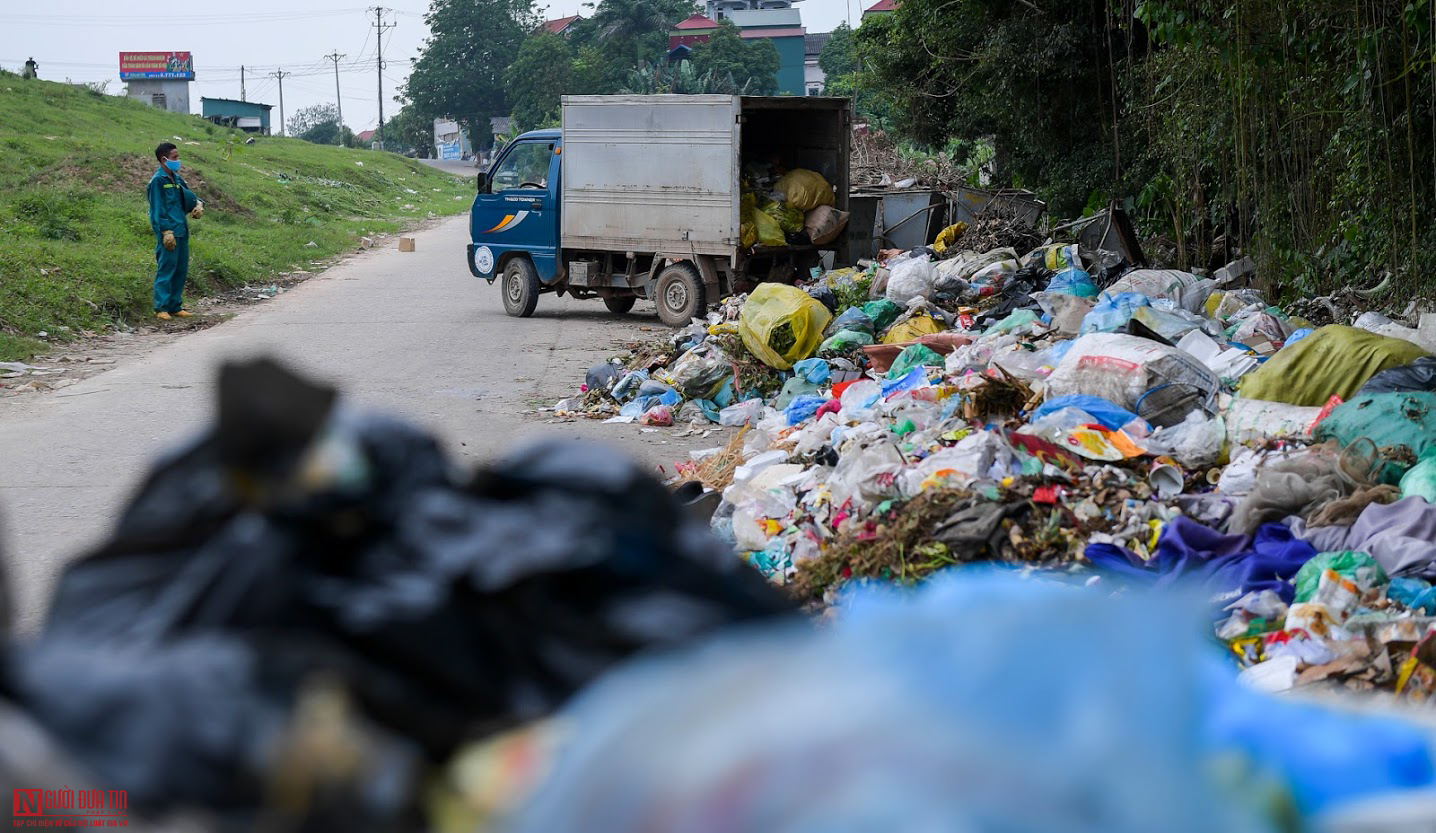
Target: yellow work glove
169, 241
198, 211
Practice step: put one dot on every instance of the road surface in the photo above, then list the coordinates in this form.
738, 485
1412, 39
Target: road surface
455, 167
410, 333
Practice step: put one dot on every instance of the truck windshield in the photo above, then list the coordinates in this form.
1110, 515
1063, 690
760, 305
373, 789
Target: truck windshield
527, 164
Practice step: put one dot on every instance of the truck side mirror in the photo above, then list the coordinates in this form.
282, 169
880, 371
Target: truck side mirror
483, 182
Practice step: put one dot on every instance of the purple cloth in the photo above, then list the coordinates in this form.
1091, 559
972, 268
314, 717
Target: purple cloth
1401, 536
1227, 566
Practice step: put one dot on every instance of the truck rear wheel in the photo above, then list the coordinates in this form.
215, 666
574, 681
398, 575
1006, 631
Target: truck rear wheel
679, 294
520, 287
619, 304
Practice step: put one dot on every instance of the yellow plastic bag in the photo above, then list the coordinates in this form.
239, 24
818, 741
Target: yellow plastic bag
921, 324
768, 231
782, 324
948, 236
1333, 361
805, 189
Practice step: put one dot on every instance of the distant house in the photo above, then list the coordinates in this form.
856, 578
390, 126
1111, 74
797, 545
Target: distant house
880, 8
562, 27
249, 116
688, 34
814, 79
365, 137
782, 27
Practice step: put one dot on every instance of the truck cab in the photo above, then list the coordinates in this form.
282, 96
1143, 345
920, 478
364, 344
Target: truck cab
514, 223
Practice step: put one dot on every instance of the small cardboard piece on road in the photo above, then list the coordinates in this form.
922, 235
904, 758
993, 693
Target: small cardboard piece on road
406, 244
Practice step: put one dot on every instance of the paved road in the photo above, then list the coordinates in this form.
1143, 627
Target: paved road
456, 168
409, 333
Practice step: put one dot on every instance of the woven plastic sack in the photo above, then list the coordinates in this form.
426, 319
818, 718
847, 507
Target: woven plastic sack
1187, 290
1333, 361
1161, 384
1357, 566
804, 189
1402, 425
782, 324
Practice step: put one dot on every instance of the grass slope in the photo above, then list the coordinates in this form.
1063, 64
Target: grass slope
76, 250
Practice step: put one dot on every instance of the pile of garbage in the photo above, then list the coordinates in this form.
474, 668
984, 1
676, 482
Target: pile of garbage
1061, 409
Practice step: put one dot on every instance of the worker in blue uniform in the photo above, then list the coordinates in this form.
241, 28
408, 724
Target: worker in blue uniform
171, 204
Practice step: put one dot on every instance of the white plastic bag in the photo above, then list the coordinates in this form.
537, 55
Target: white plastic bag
911, 278
1196, 443
866, 475
747, 412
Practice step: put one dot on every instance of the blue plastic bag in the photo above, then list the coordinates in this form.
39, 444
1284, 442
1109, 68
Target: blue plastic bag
815, 371
1107, 413
804, 408
1073, 281
1112, 312
916, 378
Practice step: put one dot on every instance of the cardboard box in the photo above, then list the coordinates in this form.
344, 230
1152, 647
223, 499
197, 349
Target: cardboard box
406, 244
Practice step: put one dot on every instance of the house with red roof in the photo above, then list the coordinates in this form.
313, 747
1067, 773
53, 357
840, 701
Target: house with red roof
562, 26
880, 7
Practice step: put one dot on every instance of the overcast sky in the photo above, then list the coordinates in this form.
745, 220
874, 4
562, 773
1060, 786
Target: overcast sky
81, 40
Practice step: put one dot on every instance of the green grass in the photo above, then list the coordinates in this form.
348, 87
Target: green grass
76, 250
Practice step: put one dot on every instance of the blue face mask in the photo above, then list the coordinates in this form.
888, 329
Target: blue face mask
173, 165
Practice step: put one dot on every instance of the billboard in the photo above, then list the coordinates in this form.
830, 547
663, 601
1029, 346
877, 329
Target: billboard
176, 65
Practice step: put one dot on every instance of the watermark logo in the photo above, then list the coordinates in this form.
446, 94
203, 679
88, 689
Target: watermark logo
69, 808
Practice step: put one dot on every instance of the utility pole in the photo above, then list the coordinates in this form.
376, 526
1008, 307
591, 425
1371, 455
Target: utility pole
338, 103
241, 83
381, 27
280, 73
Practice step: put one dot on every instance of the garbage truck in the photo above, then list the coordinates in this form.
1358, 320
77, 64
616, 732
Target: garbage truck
641, 197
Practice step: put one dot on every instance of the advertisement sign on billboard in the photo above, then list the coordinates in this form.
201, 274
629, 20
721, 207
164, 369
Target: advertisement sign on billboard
176, 65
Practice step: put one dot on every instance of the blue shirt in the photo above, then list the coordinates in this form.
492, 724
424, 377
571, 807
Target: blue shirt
171, 201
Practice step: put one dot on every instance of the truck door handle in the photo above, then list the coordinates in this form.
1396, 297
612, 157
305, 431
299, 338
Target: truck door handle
536, 205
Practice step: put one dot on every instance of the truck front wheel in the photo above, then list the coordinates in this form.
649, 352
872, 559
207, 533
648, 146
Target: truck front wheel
619, 304
521, 288
679, 294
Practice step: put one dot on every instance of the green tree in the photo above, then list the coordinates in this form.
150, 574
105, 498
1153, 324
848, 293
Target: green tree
753, 65
1030, 75
319, 124
460, 70
633, 32
538, 79
840, 54
411, 129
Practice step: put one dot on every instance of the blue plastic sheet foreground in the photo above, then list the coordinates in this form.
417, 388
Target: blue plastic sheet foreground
980, 703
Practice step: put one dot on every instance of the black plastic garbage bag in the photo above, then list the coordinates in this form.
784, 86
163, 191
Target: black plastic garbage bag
212, 724
450, 605
825, 296
1418, 376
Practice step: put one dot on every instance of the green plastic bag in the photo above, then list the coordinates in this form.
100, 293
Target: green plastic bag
844, 342
914, 355
1403, 423
1333, 361
1357, 566
1421, 480
788, 218
782, 324
883, 313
